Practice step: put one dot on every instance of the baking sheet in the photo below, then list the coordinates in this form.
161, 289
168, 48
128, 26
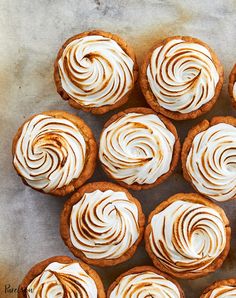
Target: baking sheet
31, 31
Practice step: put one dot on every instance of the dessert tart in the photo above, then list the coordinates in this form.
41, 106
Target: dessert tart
208, 158
102, 224
187, 236
95, 71
232, 86
181, 77
144, 281
54, 152
221, 289
60, 277
138, 148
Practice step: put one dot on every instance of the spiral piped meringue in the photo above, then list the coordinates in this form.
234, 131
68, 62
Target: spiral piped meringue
50, 152
221, 292
137, 148
104, 225
187, 237
145, 285
211, 162
62, 280
95, 71
182, 75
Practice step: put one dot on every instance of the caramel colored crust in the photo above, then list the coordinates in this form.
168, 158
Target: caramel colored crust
176, 151
91, 152
65, 223
141, 269
39, 268
150, 97
226, 282
232, 80
193, 198
202, 126
103, 109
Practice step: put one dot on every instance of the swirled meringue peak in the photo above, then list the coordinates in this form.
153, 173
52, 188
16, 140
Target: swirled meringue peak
211, 162
144, 285
182, 75
62, 280
104, 225
50, 152
234, 91
187, 237
137, 148
95, 71
223, 291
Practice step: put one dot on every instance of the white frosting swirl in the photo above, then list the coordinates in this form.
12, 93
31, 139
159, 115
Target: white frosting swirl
222, 292
104, 225
211, 162
187, 237
145, 285
95, 71
62, 280
137, 148
182, 75
50, 152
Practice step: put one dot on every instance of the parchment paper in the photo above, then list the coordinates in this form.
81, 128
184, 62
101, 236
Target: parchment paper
31, 32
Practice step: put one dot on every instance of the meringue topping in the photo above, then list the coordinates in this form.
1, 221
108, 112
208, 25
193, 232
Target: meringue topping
211, 162
95, 71
104, 224
50, 152
145, 285
182, 75
187, 237
137, 148
62, 280
222, 292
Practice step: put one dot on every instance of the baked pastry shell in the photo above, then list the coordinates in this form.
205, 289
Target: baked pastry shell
91, 152
65, 223
193, 198
102, 109
150, 97
39, 268
202, 126
176, 150
141, 269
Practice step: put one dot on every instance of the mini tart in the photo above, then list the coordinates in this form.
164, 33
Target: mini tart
221, 289
208, 158
139, 149
181, 77
187, 236
144, 281
232, 85
102, 76
54, 152
61, 273
102, 223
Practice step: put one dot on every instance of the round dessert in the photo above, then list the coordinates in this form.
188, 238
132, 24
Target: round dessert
221, 289
138, 148
95, 71
208, 158
181, 77
54, 152
188, 236
102, 223
60, 277
232, 85
144, 282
